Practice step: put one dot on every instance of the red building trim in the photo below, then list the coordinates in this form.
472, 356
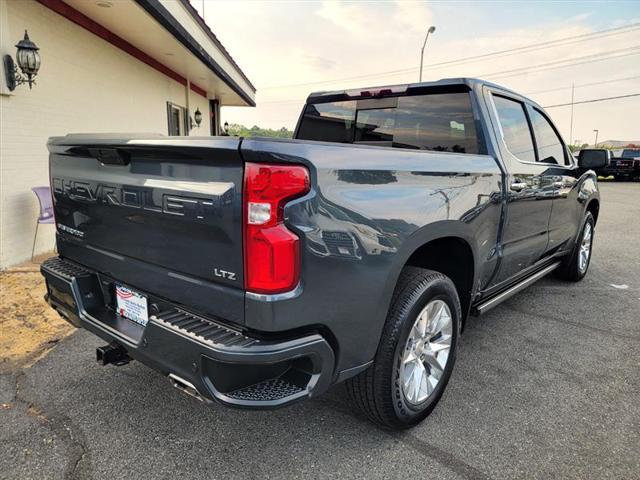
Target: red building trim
85, 22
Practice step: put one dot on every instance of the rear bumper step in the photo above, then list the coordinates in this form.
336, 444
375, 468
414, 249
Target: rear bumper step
201, 356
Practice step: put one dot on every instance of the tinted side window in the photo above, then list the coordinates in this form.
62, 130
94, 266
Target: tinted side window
550, 148
443, 122
329, 122
515, 128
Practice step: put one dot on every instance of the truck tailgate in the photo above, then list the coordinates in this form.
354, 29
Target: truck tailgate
170, 206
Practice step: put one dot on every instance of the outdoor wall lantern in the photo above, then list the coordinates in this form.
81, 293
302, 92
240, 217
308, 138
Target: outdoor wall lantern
198, 117
28, 60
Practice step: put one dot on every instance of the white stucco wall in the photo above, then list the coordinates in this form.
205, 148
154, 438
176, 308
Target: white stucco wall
179, 12
85, 85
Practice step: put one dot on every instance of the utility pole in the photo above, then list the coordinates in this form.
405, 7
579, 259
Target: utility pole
431, 30
573, 88
595, 145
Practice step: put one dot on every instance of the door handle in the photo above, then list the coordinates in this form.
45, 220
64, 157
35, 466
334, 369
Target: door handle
518, 186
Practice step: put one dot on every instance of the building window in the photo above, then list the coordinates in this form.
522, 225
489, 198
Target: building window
176, 119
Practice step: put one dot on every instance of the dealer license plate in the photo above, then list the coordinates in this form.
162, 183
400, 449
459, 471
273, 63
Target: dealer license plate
132, 305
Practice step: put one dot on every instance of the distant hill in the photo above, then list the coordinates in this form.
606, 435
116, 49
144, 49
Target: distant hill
618, 143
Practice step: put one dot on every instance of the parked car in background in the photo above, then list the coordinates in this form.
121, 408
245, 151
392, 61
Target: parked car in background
624, 167
258, 272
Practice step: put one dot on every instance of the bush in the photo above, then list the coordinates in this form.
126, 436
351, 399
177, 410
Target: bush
238, 130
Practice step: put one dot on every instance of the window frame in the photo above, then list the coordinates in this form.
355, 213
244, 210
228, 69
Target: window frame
527, 107
555, 130
523, 104
182, 122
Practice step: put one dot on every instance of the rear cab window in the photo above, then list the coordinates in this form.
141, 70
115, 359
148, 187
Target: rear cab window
441, 122
329, 122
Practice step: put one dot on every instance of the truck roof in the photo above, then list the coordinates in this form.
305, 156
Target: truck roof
391, 90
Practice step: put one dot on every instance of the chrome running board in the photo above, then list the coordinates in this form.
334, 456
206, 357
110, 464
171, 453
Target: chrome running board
494, 301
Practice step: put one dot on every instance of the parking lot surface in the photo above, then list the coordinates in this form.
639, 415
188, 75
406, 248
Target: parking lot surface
547, 385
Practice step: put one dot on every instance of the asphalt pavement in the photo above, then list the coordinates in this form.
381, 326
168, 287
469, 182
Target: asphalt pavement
547, 385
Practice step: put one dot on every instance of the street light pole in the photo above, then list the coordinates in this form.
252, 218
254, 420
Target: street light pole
595, 145
431, 30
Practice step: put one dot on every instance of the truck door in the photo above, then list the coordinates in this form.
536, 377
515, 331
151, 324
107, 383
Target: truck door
529, 189
566, 215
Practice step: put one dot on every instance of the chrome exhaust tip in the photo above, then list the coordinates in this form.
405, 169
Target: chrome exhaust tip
185, 386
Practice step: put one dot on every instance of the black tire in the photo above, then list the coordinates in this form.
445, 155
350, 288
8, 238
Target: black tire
377, 391
570, 268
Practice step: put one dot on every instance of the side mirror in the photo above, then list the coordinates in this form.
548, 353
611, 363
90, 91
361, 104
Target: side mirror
594, 158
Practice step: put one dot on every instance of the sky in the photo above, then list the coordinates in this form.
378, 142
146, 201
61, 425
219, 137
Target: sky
289, 49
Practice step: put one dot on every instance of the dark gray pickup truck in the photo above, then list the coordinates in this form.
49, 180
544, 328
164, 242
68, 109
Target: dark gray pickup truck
257, 272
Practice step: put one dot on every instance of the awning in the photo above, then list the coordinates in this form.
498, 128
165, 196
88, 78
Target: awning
168, 35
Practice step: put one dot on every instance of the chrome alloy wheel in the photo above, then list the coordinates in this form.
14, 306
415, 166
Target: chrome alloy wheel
426, 352
585, 248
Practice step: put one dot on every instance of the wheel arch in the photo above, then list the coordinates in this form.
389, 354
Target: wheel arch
447, 247
594, 208
453, 257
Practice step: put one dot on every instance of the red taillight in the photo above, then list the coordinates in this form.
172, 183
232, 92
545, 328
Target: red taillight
271, 250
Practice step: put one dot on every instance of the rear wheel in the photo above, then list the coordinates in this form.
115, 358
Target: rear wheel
416, 353
575, 266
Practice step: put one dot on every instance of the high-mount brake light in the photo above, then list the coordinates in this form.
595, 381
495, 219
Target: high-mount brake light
377, 92
271, 250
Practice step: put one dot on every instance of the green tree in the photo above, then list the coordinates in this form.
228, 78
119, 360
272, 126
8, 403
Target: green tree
238, 130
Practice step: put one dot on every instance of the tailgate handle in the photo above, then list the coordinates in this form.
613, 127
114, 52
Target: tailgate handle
110, 156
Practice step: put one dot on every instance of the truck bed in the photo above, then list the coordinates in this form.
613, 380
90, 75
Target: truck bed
164, 216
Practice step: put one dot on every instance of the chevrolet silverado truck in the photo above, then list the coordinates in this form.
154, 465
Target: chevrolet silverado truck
257, 272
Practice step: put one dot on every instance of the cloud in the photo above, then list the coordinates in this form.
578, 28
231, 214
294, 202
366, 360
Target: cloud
362, 20
319, 63
280, 44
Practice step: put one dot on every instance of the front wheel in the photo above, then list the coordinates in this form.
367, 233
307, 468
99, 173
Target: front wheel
416, 353
575, 266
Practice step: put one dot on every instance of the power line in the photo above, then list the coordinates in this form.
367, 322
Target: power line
601, 99
569, 62
544, 45
498, 54
596, 57
583, 85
